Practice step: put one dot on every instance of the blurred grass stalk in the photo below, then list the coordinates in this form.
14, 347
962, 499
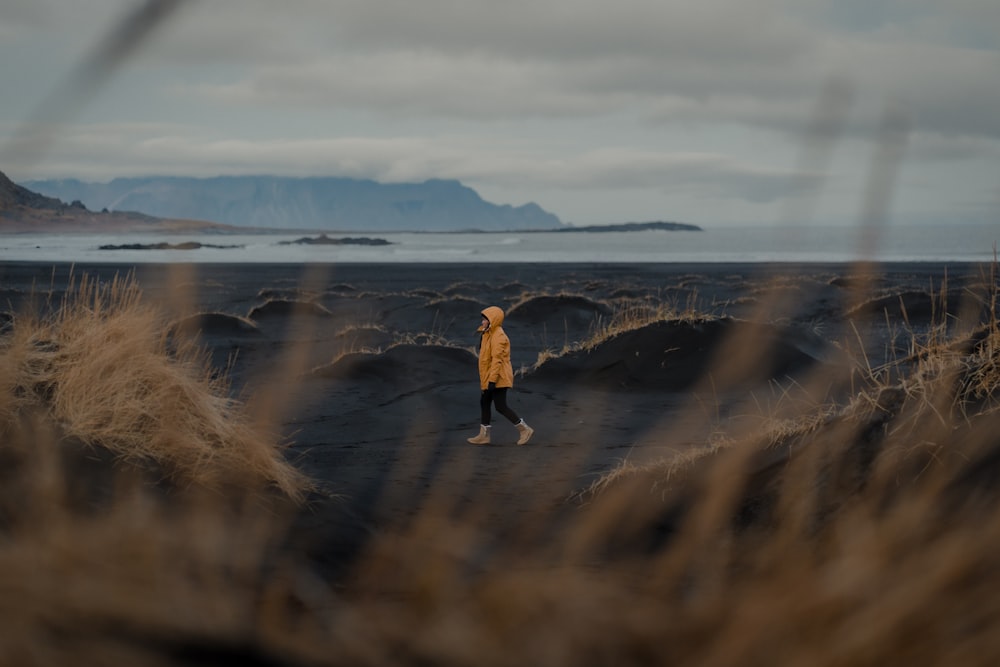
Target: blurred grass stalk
863, 533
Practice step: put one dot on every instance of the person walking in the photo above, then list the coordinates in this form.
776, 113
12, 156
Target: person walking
496, 376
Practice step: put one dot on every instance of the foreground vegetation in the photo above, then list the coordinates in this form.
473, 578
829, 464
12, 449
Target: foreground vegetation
145, 517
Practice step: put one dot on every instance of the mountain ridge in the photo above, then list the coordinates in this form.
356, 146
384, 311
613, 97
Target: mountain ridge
304, 203
25, 210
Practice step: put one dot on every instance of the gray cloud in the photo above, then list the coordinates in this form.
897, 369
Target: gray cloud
708, 101
662, 61
179, 150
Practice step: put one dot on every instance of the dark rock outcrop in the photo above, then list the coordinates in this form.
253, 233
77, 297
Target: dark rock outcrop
323, 239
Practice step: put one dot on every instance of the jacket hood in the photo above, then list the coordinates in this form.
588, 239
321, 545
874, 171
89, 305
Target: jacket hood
495, 315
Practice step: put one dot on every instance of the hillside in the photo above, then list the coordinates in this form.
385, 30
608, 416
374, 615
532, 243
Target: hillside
343, 204
13, 197
24, 210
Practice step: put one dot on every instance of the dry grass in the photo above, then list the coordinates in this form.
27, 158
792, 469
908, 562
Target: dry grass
856, 534
351, 333
862, 535
627, 315
631, 314
103, 368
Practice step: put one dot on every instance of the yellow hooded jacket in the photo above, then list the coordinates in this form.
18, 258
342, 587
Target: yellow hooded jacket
494, 352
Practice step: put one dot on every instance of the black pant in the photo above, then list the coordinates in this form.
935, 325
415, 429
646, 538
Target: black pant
496, 396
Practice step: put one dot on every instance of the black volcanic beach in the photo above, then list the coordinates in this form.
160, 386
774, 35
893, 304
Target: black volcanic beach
268, 464
373, 367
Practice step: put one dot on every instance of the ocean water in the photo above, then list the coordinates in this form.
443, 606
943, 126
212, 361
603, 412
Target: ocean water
949, 243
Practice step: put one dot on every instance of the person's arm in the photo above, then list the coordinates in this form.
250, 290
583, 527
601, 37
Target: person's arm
499, 353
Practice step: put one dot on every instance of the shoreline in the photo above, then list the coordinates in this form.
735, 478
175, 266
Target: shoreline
617, 265
768, 246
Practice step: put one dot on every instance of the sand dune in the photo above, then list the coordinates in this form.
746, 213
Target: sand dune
218, 324
287, 307
672, 356
405, 367
574, 311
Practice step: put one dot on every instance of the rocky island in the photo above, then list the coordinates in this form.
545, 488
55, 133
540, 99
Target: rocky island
323, 239
163, 245
633, 227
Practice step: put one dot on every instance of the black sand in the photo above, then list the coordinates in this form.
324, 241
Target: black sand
373, 371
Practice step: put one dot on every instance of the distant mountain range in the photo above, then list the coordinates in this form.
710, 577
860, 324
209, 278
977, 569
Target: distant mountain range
185, 205
274, 202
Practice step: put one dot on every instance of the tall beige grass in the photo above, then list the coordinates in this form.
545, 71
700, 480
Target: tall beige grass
626, 315
863, 533
110, 372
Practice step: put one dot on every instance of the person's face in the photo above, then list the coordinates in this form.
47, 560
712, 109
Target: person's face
485, 324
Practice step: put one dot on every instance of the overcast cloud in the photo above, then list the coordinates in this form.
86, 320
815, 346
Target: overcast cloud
716, 112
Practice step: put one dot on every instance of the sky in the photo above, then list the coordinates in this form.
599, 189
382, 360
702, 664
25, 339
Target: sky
716, 112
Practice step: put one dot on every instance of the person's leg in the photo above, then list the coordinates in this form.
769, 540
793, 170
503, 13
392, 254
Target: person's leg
500, 400
485, 400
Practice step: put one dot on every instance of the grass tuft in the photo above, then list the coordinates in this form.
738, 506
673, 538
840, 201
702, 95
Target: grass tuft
103, 367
